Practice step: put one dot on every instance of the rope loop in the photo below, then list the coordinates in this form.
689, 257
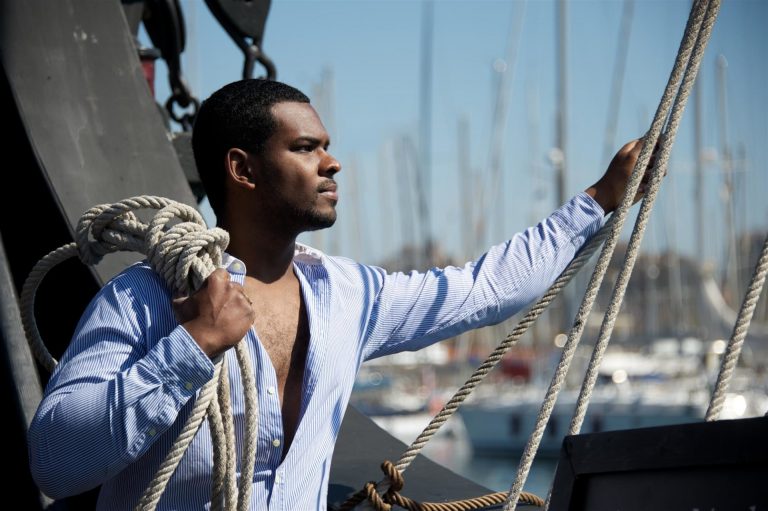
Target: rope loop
184, 253
393, 475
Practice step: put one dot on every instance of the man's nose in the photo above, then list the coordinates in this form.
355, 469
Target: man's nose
330, 165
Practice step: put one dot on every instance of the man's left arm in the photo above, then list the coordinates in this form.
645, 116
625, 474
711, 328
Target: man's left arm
418, 309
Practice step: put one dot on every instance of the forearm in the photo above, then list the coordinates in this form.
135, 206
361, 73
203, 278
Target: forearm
527, 265
90, 428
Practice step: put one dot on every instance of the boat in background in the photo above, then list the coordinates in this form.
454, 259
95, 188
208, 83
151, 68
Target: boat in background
667, 384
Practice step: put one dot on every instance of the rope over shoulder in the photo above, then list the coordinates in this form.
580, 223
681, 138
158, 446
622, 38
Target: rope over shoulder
184, 252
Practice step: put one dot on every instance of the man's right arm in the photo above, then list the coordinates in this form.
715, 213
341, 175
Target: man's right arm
116, 389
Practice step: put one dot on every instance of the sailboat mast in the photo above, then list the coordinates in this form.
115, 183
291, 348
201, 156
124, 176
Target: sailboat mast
425, 128
619, 69
568, 297
466, 187
562, 85
698, 159
699, 170
731, 270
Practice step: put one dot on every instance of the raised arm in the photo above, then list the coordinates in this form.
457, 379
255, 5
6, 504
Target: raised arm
418, 309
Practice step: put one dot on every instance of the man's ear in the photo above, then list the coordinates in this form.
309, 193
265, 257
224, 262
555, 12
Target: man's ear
239, 166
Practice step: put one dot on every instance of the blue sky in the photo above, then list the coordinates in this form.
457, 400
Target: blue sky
371, 49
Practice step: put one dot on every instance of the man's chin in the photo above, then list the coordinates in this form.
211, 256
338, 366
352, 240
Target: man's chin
318, 222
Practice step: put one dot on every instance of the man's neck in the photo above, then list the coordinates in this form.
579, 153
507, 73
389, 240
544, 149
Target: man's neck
268, 257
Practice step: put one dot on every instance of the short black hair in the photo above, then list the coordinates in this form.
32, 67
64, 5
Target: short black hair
237, 115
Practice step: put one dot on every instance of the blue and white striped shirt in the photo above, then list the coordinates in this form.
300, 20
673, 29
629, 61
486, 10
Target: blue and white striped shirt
126, 384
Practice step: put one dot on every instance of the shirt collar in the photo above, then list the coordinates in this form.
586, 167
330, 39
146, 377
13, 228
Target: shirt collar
302, 254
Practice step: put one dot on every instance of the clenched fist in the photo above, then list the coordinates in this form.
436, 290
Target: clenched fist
217, 315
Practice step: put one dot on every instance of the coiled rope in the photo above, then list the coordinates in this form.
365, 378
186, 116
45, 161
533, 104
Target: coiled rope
180, 248
735, 343
697, 32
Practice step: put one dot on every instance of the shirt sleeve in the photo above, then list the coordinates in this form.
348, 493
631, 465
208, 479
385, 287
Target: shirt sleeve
418, 309
114, 392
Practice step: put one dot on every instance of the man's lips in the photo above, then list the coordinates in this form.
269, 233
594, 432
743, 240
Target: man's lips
329, 191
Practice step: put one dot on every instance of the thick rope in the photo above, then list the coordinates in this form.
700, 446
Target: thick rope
247, 462
184, 252
207, 394
696, 34
391, 497
219, 455
27, 302
230, 468
633, 248
733, 350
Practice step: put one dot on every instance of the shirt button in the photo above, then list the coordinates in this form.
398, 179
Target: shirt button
278, 479
188, 385
271, 391
276, 442
152, 432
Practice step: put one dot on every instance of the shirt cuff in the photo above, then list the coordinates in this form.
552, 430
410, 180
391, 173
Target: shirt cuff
181, 364
581, 217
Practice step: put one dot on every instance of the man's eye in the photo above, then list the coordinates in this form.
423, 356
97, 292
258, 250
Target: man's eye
305, 148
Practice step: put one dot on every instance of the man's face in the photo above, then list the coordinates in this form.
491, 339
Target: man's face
295, 176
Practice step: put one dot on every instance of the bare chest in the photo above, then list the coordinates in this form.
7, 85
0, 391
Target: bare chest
281, 325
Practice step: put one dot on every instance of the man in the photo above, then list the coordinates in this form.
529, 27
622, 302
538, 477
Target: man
126, 385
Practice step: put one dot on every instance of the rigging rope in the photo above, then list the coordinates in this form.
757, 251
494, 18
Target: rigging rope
735, 343
633, 248
697, 32
184, 252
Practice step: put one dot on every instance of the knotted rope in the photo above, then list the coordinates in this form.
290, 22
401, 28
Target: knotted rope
184, 252
735, 343
391, 497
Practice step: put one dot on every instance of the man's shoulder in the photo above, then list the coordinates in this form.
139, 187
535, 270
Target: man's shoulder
138, 279
345, 270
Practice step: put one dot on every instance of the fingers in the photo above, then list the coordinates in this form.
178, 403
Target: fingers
218, 276
631, 148
218, 284
248, 299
